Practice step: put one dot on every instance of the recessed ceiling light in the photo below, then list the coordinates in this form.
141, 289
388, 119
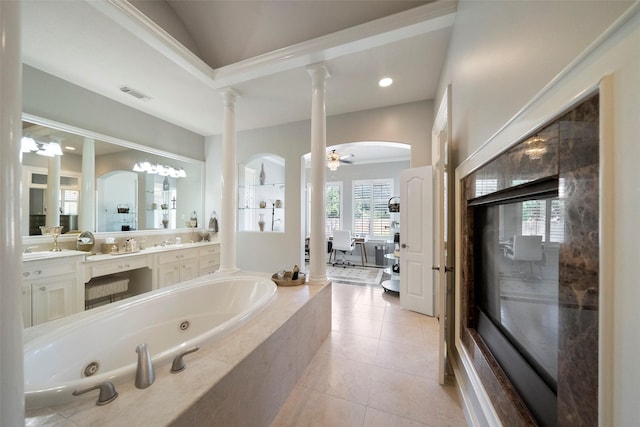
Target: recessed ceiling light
387, 81
69, 147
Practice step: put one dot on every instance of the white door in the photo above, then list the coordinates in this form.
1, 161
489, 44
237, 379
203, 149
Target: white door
443, 227
416, 279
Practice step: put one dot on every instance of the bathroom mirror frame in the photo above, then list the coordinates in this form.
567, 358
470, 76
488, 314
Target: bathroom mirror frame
58, 126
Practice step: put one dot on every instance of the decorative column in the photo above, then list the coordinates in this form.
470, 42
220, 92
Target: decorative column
87, 196
318, 238
53, 192
11, 356
229, 184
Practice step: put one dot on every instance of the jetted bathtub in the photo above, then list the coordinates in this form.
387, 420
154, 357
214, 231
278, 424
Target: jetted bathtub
99, 345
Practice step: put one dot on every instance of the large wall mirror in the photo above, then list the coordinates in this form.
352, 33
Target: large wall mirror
135, 187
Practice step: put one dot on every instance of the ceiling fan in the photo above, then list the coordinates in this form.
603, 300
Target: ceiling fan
334, 159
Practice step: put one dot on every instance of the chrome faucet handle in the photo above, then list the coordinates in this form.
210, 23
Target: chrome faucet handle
178, 364
107, 394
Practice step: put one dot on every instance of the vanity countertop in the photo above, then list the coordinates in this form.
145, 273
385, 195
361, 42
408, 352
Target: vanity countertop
148, 251
46, 255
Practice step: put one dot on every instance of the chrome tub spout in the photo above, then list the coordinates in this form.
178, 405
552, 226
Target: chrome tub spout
145, 375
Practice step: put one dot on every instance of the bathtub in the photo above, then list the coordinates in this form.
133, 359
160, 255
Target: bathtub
101, 342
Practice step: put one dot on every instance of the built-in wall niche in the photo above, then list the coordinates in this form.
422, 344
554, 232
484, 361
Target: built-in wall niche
139, 193
261, 204
118, 203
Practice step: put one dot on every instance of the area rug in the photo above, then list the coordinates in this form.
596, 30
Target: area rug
355, 275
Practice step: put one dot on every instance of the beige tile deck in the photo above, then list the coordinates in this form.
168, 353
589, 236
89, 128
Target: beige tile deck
379, 367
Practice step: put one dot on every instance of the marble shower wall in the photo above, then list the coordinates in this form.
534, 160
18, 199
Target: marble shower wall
567, 148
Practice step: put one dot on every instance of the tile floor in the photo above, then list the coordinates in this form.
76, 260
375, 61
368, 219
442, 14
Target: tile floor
378, 367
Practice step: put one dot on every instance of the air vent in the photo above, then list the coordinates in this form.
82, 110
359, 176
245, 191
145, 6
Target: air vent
134, 93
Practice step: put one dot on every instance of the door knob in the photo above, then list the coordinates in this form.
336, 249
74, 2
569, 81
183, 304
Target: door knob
436, 267
404, 245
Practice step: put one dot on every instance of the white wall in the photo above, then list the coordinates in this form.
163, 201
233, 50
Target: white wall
55, 99
502, 56
502, 53
408, 123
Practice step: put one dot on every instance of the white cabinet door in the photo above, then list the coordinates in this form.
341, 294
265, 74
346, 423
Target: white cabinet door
26, 305
168, 274
188, 270
52, 299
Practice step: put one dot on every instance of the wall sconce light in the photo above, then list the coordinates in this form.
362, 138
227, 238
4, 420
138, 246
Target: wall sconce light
162, 170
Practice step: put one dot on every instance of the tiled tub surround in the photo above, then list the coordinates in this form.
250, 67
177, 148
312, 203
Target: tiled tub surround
241, 380
571, 143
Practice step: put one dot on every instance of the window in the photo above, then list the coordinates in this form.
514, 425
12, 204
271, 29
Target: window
333, 206
486, 186
370, 207
543, 218
69, 201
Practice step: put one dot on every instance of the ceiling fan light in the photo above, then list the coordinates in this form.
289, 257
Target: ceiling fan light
333, 164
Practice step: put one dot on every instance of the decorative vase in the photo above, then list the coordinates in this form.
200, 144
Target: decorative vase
261, 222
263, 175
165, 220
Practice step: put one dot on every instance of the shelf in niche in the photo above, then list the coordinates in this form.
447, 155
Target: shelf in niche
260, 209
281, 185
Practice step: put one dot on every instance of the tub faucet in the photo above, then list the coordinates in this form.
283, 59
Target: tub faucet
145, 376
107, 394
178, 364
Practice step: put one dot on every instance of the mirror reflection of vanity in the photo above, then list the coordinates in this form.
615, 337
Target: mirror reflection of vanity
163, 197
138, 193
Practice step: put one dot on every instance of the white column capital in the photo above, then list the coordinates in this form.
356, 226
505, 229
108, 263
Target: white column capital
229, 96
318, 72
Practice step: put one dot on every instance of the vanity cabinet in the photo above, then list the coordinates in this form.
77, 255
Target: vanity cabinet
26, 305
208, 259
177, 266
50, 289
52, 300
116, 264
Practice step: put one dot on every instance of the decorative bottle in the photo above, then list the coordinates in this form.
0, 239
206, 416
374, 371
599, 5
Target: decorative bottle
261, 222
263, 175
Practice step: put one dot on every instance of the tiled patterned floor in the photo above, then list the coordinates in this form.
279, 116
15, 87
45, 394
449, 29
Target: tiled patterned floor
377, 368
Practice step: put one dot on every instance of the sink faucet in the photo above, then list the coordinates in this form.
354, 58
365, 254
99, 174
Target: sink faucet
164, 243
145, 376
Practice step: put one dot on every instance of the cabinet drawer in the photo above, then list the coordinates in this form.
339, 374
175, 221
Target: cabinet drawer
178, 255
42, 269
102, 268
209, 250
